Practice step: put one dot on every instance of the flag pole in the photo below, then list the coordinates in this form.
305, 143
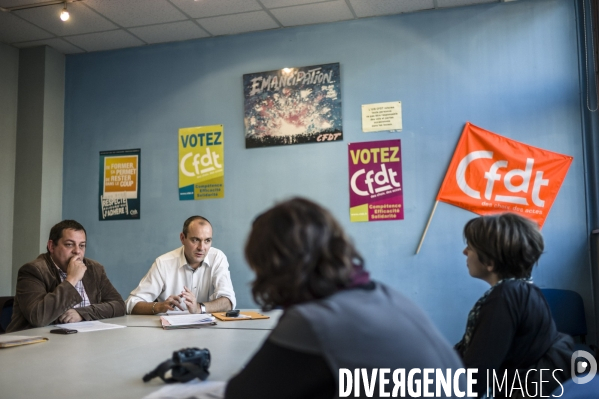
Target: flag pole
427, 225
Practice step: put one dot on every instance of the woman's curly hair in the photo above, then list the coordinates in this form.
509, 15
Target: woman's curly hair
299, 253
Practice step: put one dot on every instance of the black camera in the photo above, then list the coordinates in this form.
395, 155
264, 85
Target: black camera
193, 355
186, 364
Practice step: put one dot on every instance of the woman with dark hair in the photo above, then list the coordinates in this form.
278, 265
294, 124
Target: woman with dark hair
334, 316
510, 329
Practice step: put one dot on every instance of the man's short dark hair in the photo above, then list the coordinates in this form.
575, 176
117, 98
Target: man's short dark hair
58, 228
191, 219
299, 252
512, 243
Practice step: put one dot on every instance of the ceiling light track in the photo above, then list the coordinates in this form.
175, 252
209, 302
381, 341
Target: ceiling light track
36, 5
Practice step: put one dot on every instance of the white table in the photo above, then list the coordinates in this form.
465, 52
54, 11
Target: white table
111, 363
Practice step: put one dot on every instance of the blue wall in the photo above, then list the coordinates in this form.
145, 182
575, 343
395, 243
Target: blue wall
511, 68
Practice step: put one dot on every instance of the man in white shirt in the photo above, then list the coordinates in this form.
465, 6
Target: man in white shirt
194, 277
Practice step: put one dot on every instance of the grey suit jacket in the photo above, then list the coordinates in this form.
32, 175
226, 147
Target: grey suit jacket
41, 297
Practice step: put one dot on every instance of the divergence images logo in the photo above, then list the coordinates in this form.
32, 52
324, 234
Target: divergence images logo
580, 366
491, 176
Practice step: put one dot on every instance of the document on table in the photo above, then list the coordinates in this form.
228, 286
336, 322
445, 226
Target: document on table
186, 321
191, 390
177, 312
87, 326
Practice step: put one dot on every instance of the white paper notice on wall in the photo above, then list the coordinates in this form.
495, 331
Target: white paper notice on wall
381, 117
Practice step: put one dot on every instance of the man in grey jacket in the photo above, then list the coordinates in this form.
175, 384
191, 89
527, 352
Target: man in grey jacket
62, 286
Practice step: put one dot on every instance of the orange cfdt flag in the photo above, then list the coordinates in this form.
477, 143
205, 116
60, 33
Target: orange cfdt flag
490, 173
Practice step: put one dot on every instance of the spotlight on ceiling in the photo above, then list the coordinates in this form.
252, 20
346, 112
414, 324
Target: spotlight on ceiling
64, 15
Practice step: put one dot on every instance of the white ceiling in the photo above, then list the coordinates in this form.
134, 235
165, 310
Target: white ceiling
97, 25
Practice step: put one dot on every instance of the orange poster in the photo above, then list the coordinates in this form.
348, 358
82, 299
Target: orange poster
490, 173
119, 184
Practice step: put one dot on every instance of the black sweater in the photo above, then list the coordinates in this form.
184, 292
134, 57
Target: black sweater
514, 330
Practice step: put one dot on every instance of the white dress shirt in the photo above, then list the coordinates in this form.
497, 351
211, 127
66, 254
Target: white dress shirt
170, 273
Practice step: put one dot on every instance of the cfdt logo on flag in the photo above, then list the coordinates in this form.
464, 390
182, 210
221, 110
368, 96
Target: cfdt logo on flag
490, 173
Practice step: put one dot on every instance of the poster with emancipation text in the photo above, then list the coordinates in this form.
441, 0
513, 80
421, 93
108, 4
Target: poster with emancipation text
293, 106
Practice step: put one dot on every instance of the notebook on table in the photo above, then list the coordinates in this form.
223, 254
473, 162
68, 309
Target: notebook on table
249, 315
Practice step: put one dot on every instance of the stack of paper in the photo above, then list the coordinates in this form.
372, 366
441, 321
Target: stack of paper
87, 326
176, 312
187, 321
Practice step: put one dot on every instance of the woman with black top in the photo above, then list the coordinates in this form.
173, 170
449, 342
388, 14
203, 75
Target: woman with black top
510, 329
334, 317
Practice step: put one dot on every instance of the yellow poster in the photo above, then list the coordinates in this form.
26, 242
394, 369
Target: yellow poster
201, 163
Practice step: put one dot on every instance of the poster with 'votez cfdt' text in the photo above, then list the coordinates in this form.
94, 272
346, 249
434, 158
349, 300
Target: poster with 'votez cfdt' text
375, 182
201, 163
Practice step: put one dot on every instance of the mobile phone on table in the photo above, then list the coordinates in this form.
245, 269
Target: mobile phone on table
232, 313
63, 331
